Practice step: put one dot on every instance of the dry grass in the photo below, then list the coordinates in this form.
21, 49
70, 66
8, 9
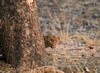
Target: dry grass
71, 62
77, 60
61, 25
46, 69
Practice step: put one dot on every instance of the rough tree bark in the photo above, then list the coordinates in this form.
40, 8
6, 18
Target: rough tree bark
23, 41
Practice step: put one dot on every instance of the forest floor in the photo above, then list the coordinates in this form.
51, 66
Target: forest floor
70, 57
78, 25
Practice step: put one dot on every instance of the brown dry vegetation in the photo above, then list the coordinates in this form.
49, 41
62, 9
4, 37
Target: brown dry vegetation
77, 23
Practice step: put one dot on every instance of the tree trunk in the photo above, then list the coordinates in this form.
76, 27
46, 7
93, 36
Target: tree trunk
23, 41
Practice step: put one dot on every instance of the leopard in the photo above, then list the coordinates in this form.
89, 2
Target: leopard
51, 40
